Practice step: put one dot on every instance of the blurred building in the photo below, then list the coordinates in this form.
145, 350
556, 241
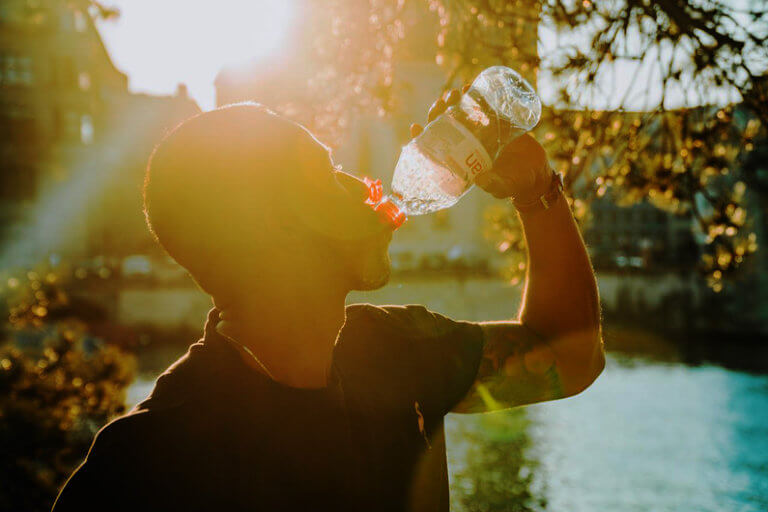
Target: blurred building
73, 140
639, 236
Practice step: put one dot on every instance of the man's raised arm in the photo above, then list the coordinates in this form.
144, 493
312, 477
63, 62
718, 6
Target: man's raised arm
554, 348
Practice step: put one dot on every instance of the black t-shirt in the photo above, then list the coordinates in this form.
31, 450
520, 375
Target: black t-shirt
215, 434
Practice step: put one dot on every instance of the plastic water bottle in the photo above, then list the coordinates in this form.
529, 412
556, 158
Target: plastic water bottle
440, 165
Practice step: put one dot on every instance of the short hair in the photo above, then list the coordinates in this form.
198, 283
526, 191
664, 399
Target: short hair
213, 183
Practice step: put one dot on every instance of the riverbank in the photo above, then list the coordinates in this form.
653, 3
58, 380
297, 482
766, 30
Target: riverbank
743, 351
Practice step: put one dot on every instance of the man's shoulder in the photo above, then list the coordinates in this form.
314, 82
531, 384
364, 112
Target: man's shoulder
413, 320
391, 332
398, 354
198, 377
144, 425
370, 333
392, 314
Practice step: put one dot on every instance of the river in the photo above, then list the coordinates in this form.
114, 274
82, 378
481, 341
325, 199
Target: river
646, 436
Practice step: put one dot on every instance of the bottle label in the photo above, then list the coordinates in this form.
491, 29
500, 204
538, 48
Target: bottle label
450, 142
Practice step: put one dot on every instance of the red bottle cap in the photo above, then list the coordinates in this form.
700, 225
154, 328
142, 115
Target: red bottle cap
388, 211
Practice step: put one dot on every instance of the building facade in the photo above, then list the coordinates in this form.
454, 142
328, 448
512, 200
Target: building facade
73, 140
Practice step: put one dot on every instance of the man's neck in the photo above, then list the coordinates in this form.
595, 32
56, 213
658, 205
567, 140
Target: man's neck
291, 334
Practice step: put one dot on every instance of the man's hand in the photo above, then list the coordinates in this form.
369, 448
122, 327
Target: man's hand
520, 172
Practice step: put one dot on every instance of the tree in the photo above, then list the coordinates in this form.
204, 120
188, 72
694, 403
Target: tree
681, 138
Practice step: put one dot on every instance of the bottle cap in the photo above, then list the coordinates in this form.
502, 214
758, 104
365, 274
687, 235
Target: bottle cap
388, 211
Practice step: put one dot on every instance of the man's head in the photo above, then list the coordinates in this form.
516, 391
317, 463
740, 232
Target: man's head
241, 194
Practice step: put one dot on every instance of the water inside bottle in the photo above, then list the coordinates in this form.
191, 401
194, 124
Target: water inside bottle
421, 185
424, 182
439, 166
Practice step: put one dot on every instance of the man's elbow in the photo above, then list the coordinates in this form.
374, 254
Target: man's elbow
586, 362
594, 368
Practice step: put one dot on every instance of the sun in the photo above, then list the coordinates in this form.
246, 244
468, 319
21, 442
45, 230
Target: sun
161, 44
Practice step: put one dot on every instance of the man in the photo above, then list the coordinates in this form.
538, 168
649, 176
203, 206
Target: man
292, 401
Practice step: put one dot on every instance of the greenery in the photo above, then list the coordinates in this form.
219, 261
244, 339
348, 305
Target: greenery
58, 386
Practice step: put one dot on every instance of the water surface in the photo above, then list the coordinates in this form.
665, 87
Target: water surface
655, 437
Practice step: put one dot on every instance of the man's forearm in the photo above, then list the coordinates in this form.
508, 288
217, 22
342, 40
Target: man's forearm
561, 292
560, 300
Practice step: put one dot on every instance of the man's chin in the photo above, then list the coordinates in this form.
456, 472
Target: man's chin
373, 285
368, 283
374, 276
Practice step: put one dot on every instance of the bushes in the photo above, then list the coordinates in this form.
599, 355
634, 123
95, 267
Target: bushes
58, 386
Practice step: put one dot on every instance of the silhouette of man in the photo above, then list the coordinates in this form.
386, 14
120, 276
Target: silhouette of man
291, 400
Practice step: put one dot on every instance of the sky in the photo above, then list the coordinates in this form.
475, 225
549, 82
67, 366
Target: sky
160, 44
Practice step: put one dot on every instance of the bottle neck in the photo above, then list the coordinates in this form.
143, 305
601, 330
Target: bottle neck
390, 209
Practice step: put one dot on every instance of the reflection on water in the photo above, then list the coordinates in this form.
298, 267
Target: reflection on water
489, 463
651, 436
645, 437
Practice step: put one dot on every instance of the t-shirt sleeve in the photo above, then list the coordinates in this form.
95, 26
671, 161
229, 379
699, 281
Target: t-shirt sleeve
427, 355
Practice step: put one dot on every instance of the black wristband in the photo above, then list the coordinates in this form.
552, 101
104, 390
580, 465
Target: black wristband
546, 200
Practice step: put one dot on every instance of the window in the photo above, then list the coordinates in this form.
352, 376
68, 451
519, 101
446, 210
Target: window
15, 70
65, 21
86, 129
25, 70
7, 69
84, 80
78, 19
